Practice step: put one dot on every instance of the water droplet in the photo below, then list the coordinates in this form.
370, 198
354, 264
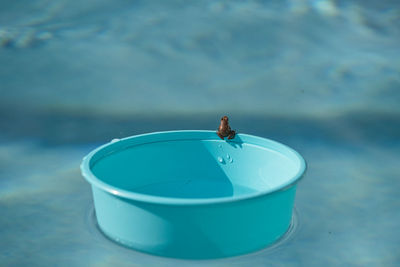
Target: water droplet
228, 156
220, 146
115, 140
220, 159
231, 160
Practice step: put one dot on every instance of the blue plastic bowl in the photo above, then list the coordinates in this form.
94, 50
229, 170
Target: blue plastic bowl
189, 194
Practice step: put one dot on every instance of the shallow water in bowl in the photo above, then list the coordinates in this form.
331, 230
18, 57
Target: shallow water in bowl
204, 168
195, 189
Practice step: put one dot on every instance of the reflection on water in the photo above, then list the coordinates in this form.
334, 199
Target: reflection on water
190, 188
199, 188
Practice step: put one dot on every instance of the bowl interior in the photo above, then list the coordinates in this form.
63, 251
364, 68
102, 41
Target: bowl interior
195, 168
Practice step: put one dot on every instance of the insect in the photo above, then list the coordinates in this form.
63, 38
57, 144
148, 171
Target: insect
224, 130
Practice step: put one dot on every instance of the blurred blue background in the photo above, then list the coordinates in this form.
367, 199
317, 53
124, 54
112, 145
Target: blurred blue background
322, 76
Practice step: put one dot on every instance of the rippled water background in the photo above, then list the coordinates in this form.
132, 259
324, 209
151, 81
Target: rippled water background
321, 76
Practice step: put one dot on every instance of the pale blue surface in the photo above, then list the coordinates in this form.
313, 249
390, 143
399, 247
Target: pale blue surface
321, 76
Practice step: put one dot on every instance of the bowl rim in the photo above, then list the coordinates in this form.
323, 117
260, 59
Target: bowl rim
176, 135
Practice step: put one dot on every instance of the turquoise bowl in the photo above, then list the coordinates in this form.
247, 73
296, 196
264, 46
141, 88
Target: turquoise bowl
189, 194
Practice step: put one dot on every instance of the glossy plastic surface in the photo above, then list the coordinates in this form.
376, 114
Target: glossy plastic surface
189, 194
